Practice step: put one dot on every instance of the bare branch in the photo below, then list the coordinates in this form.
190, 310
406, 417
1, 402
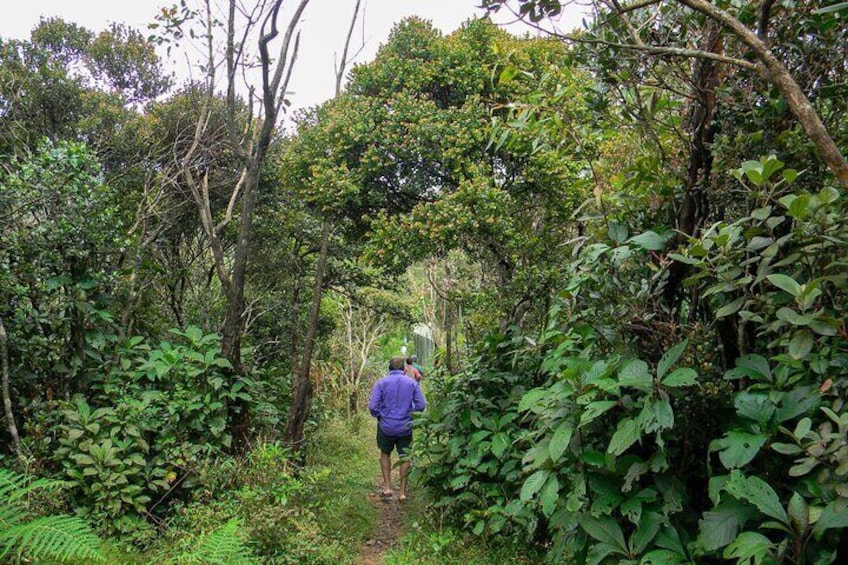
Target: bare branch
344, 61
775, 71
671, 51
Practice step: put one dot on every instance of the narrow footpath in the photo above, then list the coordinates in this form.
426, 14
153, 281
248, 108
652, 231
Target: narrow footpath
389, 527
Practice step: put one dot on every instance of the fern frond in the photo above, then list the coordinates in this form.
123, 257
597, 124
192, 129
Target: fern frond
61, 538
223, 546
14, 486
10, 515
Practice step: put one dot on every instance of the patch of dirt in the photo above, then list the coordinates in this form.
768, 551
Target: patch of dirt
389, 528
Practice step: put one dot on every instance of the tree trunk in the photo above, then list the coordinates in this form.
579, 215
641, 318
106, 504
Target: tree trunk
449, 322
693, 211
353, 402
303, 387
239, 416
7, 395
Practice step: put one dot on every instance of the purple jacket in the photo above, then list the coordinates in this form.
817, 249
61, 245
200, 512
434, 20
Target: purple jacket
394, 398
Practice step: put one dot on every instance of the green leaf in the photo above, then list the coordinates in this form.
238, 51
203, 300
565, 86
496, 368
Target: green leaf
720, 526
806, 465
669, 539
626, 434
560, 440
663, 557
785, 283
803, 427
663, 413
650, 241
599, 552
787, 448
749, 547
737, 449
635, 374
595, 409
834, 515
533, 483
839, 6
755, 366
757, 492
670, 357
789, 175
549, 495
617, 232
507, 74
793, 317
500, 443
646, 531
605, 530
731, 307
593, 457
681, 377
531, 397
755, 406
801, 345
799, 512
822, 327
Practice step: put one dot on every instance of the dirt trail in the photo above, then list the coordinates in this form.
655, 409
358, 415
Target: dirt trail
389, 527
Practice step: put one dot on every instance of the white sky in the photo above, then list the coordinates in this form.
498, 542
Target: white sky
324, 27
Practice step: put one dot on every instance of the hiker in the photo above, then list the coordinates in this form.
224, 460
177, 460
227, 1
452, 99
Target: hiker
414, 363
393, 400
411, 370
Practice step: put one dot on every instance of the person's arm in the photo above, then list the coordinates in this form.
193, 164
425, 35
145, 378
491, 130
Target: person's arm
376, 400
418, 401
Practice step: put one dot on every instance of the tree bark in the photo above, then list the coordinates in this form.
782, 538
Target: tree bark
693, 210
7, 395
303, 387
778, 74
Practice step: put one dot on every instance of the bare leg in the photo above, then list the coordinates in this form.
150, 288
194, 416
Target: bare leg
386, 468
404, 471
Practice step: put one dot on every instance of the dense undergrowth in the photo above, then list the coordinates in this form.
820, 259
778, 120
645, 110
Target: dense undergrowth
571, 438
